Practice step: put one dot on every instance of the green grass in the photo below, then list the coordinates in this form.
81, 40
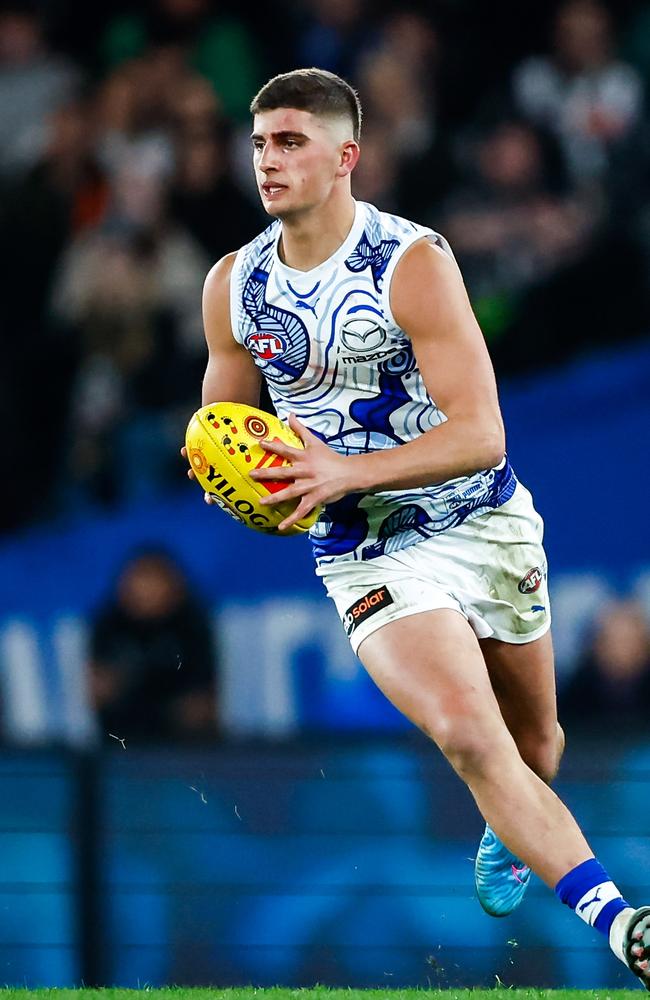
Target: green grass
317, 993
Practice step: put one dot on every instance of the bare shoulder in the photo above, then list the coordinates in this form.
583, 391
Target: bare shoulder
216, 301
217, 280
426, 261
427, 288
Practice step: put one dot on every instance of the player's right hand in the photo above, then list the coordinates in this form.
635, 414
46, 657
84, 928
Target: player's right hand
190, 475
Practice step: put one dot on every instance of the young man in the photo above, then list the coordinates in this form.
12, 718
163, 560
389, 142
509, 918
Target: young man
427, 543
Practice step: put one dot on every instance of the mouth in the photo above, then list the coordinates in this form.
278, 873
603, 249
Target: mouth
271, 190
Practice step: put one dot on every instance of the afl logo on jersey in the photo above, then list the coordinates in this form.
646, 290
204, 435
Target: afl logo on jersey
266, 346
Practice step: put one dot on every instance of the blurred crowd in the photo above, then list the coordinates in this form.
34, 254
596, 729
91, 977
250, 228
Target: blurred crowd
125, 173
153, 672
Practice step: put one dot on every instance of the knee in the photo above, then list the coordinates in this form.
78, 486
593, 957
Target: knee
467, 744
543, 752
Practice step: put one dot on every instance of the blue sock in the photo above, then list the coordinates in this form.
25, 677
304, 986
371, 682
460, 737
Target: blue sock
590, 892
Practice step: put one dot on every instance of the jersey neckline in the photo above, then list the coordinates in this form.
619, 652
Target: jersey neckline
343, 251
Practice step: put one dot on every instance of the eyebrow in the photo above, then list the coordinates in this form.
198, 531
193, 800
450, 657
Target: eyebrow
280, 135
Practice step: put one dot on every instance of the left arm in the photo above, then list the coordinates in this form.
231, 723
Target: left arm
430, 304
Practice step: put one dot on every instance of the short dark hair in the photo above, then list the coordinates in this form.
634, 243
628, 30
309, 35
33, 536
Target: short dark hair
315, 90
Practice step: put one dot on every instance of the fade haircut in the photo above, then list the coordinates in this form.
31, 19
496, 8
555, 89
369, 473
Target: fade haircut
315, 90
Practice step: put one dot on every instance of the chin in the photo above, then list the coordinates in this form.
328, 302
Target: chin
281, 212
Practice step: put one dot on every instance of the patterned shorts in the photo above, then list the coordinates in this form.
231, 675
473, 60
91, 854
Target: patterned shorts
491, 568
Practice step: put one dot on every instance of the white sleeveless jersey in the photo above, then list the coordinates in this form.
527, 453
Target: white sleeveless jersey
331, 352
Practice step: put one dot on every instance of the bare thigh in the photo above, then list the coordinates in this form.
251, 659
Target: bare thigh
430, 666
523, 680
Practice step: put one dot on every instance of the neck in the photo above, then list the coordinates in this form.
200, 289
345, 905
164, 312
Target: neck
309, 239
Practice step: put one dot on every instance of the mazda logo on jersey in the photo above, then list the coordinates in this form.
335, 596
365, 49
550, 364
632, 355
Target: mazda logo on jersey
368, 605
266, 346
362, 334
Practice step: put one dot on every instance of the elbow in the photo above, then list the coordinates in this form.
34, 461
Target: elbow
492, 448
495, 448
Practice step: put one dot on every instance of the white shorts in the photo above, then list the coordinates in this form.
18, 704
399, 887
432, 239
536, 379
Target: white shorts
492, 569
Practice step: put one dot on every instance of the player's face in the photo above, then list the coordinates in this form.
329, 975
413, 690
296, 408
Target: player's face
297, 158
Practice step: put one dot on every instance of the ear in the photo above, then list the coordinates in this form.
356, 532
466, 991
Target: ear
349, 154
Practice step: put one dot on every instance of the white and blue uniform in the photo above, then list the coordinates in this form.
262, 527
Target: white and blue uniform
331, 351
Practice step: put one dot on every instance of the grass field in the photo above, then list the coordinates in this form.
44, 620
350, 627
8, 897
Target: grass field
317, 993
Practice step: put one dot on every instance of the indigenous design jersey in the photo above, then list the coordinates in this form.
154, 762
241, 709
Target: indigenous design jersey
331, 352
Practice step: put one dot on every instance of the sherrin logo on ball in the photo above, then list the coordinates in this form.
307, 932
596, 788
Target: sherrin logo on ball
223, 446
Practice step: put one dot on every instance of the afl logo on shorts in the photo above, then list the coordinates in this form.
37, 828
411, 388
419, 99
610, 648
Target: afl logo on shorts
531, 582
366, 606
266, 346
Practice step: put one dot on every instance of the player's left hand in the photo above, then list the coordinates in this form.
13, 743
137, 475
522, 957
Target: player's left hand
317, 474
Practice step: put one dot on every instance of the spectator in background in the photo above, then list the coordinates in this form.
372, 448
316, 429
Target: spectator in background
509, 225
34, 83
376, 176
134, 109
334, 35
582, 92
398, 79
129, 294
63, 195
152, 663
612, 683
204, 198
217, 46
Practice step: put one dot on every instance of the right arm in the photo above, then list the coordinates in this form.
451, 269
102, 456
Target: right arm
231, 374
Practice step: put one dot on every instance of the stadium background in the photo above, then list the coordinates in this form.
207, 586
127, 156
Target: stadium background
303, 832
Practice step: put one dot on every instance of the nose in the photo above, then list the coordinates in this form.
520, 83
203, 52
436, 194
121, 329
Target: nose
268, 161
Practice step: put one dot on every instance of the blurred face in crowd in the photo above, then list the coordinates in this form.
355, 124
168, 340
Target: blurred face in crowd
299, 158
622, 644
150, 588
202, 161
412, 37
20, 38
183, 9
340, 14
376, 174
510, 157
583, 35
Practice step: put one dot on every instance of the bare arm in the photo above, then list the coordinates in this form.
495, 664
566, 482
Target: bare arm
429, 302
231, 374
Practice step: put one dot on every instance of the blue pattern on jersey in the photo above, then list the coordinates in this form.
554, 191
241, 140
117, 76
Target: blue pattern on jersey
396, 531
376, 257
406, 522
374, 414
399, 364
408, 518
303, 295
346, 525
276, 322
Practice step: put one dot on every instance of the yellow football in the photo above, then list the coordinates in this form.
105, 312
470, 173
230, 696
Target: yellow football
223, 447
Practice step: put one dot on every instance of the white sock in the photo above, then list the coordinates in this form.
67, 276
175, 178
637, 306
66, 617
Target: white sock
617, 933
